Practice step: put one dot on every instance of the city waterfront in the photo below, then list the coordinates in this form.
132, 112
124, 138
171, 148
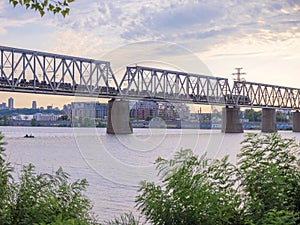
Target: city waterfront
113, 164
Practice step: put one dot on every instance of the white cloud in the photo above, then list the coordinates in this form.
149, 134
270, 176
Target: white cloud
188, 22
262, 36
2, 7
16, 17
197, 25
76, 43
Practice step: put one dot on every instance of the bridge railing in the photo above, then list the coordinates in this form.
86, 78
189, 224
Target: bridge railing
23, 70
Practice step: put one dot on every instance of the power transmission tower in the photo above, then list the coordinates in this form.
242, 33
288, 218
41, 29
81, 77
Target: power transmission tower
238, 74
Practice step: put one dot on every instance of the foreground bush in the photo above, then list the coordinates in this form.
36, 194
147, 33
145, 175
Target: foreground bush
269, 175
192, 192
125, 219
41, 198
263, 188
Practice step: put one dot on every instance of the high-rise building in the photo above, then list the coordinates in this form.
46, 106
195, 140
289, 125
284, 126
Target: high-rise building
144, 109
68, 110
33, 105
171, 111
10, 103
3, 105
89, 110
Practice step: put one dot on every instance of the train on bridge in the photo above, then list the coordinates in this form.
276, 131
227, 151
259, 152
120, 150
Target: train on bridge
57, 86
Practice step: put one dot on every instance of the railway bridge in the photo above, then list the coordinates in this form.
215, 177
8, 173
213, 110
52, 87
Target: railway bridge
28, 71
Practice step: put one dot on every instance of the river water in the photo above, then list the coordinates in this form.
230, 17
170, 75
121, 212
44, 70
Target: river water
113, 164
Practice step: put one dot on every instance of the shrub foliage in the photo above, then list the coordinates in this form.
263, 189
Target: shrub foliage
41, 198
125, 219
268, 170
263, 188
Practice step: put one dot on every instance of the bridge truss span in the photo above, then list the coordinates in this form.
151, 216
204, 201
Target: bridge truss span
40, 72
265, 95
46, 73
153, 83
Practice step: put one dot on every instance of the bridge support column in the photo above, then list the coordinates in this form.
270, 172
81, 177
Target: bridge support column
296, 121
268, 120
231, 120
118, 121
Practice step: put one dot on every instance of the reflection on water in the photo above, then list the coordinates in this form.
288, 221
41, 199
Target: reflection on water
113, 164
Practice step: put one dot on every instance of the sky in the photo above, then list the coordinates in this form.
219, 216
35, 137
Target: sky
204, 37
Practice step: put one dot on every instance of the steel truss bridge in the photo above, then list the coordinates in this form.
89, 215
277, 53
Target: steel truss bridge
46, 73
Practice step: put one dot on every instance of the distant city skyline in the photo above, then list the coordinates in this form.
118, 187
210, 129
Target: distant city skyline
41, 100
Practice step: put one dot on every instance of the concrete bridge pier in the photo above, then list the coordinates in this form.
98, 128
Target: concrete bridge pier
296, 121
231, 120
118, 121
268, 120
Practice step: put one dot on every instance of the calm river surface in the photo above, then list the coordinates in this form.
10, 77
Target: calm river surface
113, 165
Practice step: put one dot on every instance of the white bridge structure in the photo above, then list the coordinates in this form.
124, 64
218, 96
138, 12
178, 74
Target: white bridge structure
37, 72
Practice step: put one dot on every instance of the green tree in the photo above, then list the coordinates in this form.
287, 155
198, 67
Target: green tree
41, 198
45, 5
63, 117
282, 117
125, 219
148, 118
252, 115
34, 122
88, 122
263, 188
5, 120
192, 192
101, 124
5, 180
269, 175
282, 217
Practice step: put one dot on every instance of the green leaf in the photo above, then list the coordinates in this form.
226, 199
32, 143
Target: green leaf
14, 2
50, 7
65, 12
42, 12
55, 7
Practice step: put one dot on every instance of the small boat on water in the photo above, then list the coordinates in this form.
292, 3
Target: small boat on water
28, 136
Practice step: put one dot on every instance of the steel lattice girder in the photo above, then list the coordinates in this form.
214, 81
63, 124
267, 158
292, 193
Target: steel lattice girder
265, 95
40, 72
46, 73
153, 83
